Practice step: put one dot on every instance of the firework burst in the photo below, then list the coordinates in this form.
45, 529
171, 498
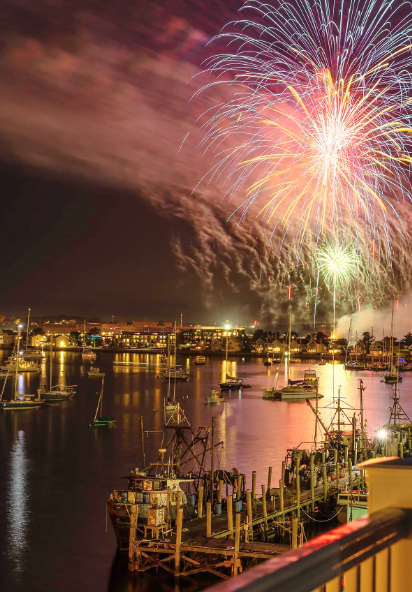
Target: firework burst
317, 134
338, 265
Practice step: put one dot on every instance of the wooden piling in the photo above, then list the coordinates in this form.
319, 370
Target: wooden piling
237, 545
335, 462
265, 513
167, 516
229, 507
283, 470
401, 449
220, 491
350, 472
298, 485
249, 507
254, 485
239, 487
208, 519
312, 481
178, 501
325, 478
269, 479
132, 534
281, 501
200, 502
295, 523
179, 522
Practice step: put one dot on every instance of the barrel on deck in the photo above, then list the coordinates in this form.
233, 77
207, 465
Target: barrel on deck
218, 508
191, 499
237, 506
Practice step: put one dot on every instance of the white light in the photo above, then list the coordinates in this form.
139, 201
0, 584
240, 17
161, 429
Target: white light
382, 434
227, 326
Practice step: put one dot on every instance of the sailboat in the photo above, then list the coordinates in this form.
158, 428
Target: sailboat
171, 404
101, 420
55, 393
392, 376
88, 355
354, 364
20, 402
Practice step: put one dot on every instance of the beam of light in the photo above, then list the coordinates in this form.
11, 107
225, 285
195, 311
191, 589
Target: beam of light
317, 131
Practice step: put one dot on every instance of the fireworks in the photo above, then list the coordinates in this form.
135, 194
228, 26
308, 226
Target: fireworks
338, 264
317, 133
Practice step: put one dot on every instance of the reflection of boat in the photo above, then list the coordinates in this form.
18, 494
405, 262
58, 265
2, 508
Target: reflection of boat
294, 360
199, 360
94, 371
276, 361
101, 420
215, 397
55, 393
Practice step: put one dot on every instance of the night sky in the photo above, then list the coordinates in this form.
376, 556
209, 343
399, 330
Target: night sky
99, 159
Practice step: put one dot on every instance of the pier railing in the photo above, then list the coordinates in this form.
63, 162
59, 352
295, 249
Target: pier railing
372, 554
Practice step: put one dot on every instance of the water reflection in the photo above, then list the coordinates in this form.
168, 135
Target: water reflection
18, 498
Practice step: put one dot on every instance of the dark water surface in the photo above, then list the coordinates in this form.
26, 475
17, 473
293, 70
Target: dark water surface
56, 472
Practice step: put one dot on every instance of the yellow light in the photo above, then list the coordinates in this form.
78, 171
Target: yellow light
61, 343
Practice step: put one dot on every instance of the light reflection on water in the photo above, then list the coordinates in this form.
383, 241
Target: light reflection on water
55, 518
18, 504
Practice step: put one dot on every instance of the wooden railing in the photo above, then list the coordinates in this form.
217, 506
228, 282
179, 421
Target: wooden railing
372, 554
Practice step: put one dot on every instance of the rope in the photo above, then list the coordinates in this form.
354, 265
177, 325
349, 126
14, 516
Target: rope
328, 520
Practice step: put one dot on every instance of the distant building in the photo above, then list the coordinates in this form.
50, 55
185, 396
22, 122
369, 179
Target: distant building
37, 340
61, 341
7, 338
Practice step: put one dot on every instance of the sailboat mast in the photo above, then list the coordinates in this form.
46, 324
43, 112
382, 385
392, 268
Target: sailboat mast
391, 352
51, 363
16, 363
28, 328
290, 336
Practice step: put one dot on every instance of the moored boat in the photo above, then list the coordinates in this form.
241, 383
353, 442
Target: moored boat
215, 397
95, 372
199, 360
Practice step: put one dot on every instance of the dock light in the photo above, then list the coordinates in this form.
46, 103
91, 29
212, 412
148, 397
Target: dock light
382, 434
227, 326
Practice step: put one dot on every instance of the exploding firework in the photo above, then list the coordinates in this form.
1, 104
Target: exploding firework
338, 264
317, 134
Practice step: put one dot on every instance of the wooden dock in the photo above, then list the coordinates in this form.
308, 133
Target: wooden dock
226, 544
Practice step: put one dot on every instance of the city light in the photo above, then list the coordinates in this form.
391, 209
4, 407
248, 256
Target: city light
382, 434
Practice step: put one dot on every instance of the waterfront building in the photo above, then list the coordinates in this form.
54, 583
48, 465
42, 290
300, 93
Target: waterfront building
7, 338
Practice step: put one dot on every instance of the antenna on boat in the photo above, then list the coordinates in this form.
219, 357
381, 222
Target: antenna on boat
397, 412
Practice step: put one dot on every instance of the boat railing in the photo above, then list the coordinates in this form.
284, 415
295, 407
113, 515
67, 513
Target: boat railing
371, 554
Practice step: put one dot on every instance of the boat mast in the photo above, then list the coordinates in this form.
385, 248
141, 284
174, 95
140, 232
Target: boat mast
84, 334
51, 363
347, 345
391, 351
290, 336
28, 327
16, 363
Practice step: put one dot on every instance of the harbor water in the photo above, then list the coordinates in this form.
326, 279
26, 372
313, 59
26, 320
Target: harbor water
57, 472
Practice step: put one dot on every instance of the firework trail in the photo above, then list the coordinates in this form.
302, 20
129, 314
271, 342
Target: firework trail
318, 130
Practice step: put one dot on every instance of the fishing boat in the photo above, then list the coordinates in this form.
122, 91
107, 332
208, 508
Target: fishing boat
170, 404
19, 402
215, 397
55, 393
95, 372
101, 420
181, 468
176, 373
354, 365
199, 360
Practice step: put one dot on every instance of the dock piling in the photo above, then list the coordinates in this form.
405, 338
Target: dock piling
312, 481
220, 491
269, 479
249, 508
132, 534
281, 501
295, 523
298, 484
325, 478
179, 522
253, 485
200, 503
229, 507
208, 519
237, 545
265, 513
